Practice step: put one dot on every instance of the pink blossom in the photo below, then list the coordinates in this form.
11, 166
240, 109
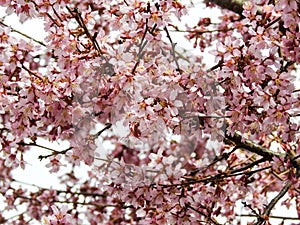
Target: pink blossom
184, 136
60, 216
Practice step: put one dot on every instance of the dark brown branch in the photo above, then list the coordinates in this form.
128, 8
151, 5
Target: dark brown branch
77, 15
194, 180
216, 159
203, 214
248, 172
55, 12
40, 146
41, 157
218, 65
173, 48
237, 140
72, 202
7, 220
55, 152
107, 126
31, 72
252, 210
272, 22
248, 166
274, 201
141, 48
49, 16
141, 53
272, 204
232, 5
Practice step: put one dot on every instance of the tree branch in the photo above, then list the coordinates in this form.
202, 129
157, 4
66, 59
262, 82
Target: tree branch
56, 152
237, 140
273, 217
77, 15
21, 33
107, 126
203, 214
272, 204
41, 157
248, 166
232, 5
213, 178
173, 48
32, 73
142, 46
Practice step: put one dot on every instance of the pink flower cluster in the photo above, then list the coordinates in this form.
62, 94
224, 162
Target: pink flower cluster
59, 217
179, 143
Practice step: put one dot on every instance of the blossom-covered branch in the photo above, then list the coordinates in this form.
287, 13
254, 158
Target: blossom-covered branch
240, 142
164, 135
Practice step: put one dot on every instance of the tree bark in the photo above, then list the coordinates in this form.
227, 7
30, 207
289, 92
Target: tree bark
232, 5
238, 141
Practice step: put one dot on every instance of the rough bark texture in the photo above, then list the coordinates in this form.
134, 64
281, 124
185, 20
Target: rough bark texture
252, 147
232, 5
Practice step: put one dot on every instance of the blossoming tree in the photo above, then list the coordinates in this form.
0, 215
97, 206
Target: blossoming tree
168, 140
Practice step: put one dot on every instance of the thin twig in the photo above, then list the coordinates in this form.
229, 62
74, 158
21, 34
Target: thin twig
14, 216
252, 147
93, 194
173, 48
37, 7
31, 72
107, 126
55, 152
248, 166
202, 32
194, 180
273, 202
60, 19
250, 207
273, 217
272, 22
219, 64
141, 47
203, 214
217, 159
37, 145
77, 15
41, 157
24, 35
